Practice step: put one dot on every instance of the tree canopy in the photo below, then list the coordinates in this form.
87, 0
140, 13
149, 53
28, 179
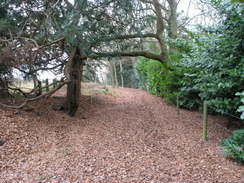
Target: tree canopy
47, 35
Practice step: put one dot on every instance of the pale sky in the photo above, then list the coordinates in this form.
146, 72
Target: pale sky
194, 10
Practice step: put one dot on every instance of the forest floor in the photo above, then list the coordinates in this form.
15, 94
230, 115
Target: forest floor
118, 135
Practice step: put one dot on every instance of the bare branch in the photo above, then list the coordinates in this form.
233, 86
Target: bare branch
122, 37
51, 43
189, 20
45, 95
160, 31
128, 54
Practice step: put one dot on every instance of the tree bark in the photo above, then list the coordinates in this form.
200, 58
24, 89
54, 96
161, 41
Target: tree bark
115, 75
111, 68
74, 86
160, 31
39, 91
3, 89
121, 74
173, 19
173, 25
45, 95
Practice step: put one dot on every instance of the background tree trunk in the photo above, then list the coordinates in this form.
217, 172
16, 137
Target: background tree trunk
3, 88
74, 86
112, 73
115, 75
39, 85
121, 74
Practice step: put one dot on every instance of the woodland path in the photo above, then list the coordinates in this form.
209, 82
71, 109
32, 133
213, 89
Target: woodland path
127, 136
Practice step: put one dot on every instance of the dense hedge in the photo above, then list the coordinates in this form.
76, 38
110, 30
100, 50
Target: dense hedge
234, 146
211, 65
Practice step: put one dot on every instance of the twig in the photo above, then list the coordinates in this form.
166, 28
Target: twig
49, 44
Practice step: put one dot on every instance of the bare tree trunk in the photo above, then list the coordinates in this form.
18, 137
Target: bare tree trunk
121, 74
74, 86
35, 83
160, 30
115, 75
3, 89
47, 85
112, 73
39, 86
173, 19
173, 25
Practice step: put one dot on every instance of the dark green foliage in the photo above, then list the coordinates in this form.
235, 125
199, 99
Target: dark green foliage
5, 80
209, 66
235, 1
5, 71
241, 108
130, 77
158, 79
8, 20
6, 25
234, 146
215, 66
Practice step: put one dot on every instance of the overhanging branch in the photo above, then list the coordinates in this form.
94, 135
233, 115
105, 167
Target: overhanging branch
128, 54
123, 37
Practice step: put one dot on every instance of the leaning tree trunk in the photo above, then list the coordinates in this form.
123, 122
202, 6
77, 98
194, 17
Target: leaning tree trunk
74, 86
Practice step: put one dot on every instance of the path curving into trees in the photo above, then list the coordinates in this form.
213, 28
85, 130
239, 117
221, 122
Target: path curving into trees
123, 135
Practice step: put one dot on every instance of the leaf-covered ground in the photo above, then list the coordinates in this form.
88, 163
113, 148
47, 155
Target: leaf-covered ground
126, 135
